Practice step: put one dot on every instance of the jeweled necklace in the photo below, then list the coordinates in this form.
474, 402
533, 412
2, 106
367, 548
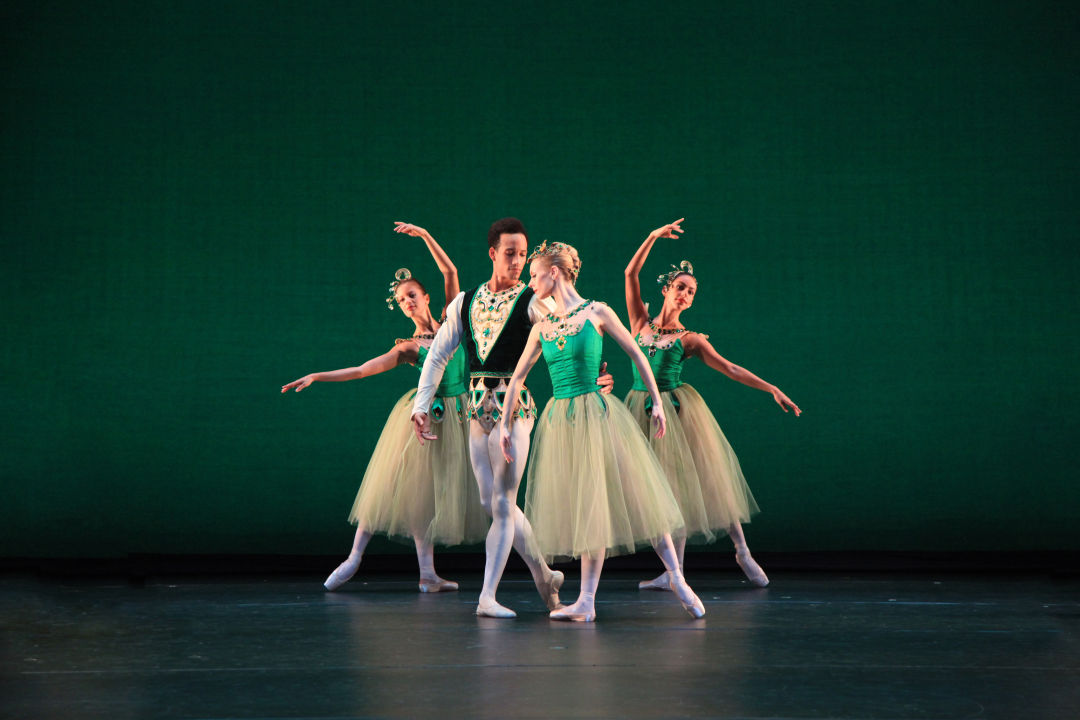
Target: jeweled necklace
657, 333
561, 325
424, 336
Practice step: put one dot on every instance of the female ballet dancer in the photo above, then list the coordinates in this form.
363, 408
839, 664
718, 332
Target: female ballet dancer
701, 466
594, 486
424, 492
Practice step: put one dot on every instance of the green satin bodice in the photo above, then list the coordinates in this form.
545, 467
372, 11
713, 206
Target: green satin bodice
455, 376
574, 361
666, 365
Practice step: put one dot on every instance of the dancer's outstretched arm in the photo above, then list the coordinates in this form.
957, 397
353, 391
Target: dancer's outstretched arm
608, 322
404, 352
451, 285
635, 306
529, 356
697, 345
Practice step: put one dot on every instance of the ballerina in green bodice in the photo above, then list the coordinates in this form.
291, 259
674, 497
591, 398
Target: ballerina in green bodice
424, 493
702, 468
595, 488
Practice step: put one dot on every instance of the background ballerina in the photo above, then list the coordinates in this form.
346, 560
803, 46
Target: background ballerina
702, 468
427, 493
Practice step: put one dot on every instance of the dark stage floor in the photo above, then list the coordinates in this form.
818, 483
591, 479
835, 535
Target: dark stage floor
813, 645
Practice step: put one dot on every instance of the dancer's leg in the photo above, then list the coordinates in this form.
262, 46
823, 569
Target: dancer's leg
665, 548
498, 484
430, 582
347, 569
584, 610
662, 581
749, 566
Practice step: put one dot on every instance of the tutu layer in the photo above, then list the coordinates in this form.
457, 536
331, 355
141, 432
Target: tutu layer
702, 468
593, 482
429, 491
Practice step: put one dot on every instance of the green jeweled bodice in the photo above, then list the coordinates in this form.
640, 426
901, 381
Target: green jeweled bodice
455, 376
573, 360
666, 364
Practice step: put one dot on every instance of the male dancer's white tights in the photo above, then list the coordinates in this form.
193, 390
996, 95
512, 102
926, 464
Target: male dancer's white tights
499, 482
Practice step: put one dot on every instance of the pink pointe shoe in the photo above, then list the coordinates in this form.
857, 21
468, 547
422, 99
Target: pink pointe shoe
437, 584
343, 573
661, 582
691, 603
566, 615
492, 609
751, 569
550, 590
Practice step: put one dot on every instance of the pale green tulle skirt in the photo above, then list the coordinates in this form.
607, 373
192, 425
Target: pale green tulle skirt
426, 491
594, 483
702, 468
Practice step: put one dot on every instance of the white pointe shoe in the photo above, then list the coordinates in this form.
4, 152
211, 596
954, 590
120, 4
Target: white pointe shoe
550, 590
751, 569
343, 573
567, 614
437, 584
691, 602
661, 582
493, 609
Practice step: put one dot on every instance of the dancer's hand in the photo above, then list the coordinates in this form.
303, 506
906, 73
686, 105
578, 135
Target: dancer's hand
784, 401
506, 440
659, 421
422, 428
605, 380
410, 229
299, 384
669, 230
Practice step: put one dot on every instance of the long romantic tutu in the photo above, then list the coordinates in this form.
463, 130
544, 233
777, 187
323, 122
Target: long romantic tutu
428, 491
594, 483
703, 470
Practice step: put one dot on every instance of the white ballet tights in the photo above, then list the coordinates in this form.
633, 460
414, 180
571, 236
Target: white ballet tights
749, 566
425, 559
498, 483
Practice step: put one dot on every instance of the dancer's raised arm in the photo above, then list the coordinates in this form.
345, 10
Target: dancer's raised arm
635, 306
451, 285
404, 352
698, 345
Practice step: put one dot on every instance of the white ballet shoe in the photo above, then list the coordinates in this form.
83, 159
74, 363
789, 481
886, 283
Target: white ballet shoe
661, 582
550, 590
691, 602
751, 569
437, 584
343, 573
493, 609
568, 614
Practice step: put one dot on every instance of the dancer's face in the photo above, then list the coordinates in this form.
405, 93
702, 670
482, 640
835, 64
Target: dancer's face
679, 295
412, 300
542, 278
508, 257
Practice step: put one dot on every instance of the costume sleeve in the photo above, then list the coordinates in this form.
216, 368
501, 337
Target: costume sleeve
442, 348
539, 309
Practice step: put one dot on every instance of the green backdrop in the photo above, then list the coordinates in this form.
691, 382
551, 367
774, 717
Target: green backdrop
197, 202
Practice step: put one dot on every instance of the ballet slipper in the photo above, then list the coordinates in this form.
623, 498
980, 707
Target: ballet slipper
691, 603
437, 584
343, 573
567, 615
549, 590
661, 582
751, 569
492, 609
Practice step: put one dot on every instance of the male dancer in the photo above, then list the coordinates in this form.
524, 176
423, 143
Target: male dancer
493, 321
